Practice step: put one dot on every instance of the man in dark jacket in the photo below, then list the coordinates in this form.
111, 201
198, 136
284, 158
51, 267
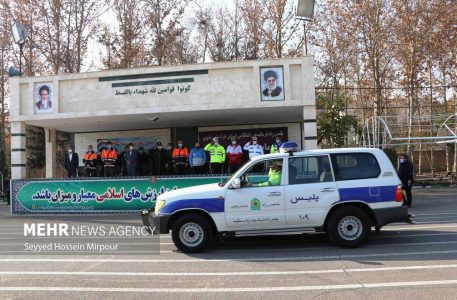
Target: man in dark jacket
71, 162
131, 160
159, 158
406, 175
143, 162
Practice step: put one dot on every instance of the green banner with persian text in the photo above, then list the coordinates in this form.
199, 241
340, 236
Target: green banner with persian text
95, 195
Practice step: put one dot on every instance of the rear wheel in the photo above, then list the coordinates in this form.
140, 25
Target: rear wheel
348, 227
191, 233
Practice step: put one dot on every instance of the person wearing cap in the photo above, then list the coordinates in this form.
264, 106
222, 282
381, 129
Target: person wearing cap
272, 89
109, 157
234, 153
216, 156
274, 175
159, 159
180, 158
131, 160
197, 159
275, 147
254, 150
89, 160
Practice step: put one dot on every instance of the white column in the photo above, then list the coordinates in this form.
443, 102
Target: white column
50, 152
18, 158
309, 127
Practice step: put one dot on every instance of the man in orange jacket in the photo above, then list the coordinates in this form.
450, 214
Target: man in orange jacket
89, 159
180, 158
109, 157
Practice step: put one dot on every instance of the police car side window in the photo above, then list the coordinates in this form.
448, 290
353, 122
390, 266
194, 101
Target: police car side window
352, 166
309, 169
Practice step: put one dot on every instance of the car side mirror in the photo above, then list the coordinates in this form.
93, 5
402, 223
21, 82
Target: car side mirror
236, 184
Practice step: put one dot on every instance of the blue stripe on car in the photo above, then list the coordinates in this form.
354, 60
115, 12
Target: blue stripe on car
208, 204
368, 194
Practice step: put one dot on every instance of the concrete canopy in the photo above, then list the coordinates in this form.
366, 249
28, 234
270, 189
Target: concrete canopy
200, 95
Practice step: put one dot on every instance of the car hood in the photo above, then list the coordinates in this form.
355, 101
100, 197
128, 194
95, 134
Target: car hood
212, 190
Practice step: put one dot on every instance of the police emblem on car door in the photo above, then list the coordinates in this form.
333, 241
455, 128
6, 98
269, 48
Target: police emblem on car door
259, 201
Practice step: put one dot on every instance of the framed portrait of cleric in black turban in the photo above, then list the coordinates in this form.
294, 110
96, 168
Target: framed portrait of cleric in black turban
271, 84
43, 98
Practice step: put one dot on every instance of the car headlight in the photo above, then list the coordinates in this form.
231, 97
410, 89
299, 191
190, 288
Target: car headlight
160, 203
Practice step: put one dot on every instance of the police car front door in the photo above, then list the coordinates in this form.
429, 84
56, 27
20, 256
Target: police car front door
259, 202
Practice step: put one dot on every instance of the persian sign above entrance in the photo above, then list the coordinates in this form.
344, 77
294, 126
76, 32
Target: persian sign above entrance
167, 85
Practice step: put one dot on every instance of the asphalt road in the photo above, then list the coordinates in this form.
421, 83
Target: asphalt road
402, 261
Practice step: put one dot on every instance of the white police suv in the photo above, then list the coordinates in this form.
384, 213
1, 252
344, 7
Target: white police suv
343, 192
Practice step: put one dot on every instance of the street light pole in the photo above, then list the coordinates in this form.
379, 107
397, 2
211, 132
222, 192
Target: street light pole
306, 39
20, 58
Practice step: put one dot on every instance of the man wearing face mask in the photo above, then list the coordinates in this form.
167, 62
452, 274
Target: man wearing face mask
109, 157
216, 156
406, 175
160, 159
234, 153
89, 160
197, 159
254, 150
71, 162
180, 158
275, 147
131, 160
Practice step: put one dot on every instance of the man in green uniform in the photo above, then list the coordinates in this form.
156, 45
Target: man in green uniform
216, 156
274, 176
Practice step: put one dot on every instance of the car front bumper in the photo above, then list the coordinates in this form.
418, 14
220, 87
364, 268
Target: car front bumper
159, 223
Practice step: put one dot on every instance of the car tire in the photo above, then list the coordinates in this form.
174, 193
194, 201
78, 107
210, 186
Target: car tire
348, 227
191, 233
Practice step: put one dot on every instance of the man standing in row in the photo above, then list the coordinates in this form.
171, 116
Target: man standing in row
71, 162
275, 147
90, 160
143, 162
109, 157
254, 150
131, 160
159, 159
197, 159
180, 158
234, 154
216, 156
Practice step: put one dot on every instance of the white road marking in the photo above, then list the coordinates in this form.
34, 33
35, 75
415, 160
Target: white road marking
267, 273
400, 228
412, 235
232, 290
436, 214
209, 260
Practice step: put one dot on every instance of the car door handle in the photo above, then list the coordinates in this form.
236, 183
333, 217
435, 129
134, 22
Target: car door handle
272, 194
326, 190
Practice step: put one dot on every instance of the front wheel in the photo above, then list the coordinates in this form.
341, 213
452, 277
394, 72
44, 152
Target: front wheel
191, 233
348, 227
